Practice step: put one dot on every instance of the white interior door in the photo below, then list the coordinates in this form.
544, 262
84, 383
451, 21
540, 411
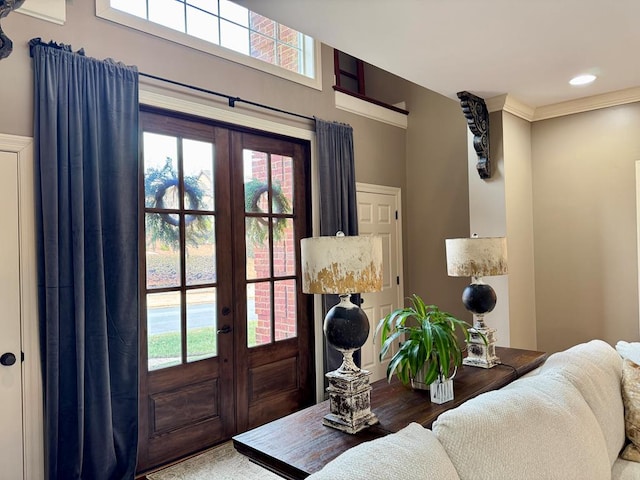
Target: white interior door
11, 440
379, 214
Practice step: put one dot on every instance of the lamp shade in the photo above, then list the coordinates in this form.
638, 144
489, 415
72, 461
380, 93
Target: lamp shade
476, 256
341, 265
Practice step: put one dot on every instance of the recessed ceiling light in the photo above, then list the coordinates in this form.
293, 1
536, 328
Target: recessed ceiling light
582, 79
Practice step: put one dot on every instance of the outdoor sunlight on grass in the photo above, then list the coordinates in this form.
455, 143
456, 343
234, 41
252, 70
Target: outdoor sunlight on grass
201, 343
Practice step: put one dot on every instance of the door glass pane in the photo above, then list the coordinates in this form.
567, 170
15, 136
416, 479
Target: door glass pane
284, 254
201, 324
285, 309
163, 251
163, 330
282, 180
256, 181
258, 314
197, 161
200, 258
160, 170
258, 252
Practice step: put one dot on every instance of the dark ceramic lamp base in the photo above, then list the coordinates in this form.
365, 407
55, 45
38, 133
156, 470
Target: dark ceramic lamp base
480, 298
346, 328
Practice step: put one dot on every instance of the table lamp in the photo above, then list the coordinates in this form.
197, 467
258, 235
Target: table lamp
477, 257
345, 265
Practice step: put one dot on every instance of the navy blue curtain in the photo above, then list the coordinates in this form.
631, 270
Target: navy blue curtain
86, 136
338, 207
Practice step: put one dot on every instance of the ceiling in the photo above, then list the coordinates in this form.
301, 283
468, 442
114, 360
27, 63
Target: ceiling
528, 49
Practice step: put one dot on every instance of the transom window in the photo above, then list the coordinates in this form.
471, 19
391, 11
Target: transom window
221, 24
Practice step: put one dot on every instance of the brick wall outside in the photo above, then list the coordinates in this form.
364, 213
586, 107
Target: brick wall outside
284, 307
263, 44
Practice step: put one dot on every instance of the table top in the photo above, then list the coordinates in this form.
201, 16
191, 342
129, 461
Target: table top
299, 444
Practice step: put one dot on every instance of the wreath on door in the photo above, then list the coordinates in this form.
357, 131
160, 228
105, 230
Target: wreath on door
159, 183
257, 228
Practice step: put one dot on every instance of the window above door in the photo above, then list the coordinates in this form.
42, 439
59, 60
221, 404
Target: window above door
224, 29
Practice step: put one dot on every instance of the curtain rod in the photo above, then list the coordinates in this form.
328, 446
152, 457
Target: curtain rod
231, 99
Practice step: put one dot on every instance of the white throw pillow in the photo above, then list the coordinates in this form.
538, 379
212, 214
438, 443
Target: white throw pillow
413, 453
536, 428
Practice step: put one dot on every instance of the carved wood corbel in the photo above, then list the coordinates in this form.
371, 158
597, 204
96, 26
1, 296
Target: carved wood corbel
477, 115
6, 7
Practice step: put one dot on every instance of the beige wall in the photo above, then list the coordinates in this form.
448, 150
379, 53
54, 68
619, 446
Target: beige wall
437, 199
427, 160
584, 204
520, 232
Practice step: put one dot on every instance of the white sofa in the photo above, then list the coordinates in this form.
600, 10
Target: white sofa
563, 421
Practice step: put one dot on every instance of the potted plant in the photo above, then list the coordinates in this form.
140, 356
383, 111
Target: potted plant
429, 349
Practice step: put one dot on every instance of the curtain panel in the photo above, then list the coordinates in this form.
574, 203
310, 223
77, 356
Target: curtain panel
338, 207
86, 137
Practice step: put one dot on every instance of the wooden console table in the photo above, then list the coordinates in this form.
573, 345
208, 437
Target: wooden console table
298, 445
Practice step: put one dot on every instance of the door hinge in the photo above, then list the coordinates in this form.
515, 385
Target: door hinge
22, 356
398, 280
396, 214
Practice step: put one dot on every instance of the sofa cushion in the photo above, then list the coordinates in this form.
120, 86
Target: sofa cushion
538, 427
595, 369
412, 453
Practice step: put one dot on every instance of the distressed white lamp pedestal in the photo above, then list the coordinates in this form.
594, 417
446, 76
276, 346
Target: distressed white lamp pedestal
345, 265
477, 257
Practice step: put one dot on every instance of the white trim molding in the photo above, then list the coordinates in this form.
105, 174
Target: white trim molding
160, 100
509, 103
50, 10
358, 106
32, 392
605, 100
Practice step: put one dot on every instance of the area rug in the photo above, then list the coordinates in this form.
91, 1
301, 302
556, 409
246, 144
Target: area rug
220, 463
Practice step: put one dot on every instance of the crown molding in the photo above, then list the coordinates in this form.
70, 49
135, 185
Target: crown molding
595, 102
509, 103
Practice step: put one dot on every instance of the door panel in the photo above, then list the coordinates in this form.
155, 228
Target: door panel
274, 367
11, 454
226, 342
377, 215
187, 398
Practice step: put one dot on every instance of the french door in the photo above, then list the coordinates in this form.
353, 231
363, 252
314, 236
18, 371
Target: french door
226, 333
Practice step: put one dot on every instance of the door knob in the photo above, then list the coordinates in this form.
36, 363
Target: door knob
224, 329
7, 359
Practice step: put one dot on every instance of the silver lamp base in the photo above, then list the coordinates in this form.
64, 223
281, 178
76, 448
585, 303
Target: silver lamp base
480, 354
349, 400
